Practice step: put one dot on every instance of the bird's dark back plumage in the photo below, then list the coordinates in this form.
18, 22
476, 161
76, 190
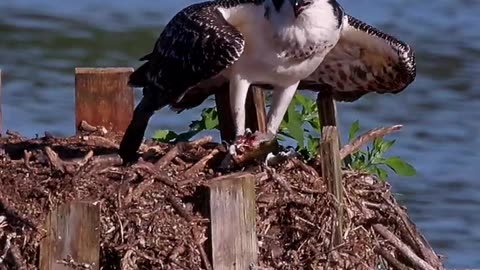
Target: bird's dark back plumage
197, 44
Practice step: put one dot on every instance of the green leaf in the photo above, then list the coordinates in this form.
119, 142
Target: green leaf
164, 135
377, 143
382, 174
354, 128
312, 146
400, 167
209, 118
294, 125
302, 100
385, 146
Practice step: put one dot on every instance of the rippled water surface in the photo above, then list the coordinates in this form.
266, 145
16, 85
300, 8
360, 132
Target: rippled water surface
42, 41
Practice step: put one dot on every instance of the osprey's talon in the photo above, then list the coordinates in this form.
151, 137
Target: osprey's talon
232, 150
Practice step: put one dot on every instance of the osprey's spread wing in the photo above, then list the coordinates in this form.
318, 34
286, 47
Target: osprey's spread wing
196, 45
364, 60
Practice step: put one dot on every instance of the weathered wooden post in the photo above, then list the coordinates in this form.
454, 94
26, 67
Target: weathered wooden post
233, 238
330, 156
72, 238
255, 112
103, 97
332, 174
1, 116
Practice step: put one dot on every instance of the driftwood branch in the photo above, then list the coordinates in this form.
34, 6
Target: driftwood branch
55, 161
365, 138
179, 148
392, 261
418, 262
201, 163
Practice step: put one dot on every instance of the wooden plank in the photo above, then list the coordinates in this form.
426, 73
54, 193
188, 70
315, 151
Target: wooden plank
332, 174
255, 117
73, 231
103, 97
1, 116
232, 222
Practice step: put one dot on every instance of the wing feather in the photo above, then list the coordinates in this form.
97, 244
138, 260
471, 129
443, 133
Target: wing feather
197, 44
364, 60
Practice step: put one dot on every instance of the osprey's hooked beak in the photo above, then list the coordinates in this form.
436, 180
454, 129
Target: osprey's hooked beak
299, 6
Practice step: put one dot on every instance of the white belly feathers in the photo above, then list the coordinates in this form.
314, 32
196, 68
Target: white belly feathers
279, 59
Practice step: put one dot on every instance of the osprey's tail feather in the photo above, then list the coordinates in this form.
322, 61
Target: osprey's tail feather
133, 137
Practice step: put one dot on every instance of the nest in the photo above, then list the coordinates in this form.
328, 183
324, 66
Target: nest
151, 212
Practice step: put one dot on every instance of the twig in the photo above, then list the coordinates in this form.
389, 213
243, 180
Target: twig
99, 142
200, 142
122, 238
85, 159
168, 157
404, 249
84, 126
177, 250
305, 167
427, 252
150, 168
138, 191
180, 209
180, 147
307, 190
26, 158
179, 161
107, 160
14, 134
55, 161
203, 254
147, 257
281, 182
366, 138
392, 261
201, 163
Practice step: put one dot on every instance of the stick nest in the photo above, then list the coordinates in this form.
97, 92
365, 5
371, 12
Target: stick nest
152, 211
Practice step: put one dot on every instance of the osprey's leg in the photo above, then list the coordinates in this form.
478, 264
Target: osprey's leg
238, 96
281, 99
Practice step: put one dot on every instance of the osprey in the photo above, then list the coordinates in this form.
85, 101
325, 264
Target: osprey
283, 45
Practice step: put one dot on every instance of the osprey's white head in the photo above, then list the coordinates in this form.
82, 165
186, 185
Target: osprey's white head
292, 10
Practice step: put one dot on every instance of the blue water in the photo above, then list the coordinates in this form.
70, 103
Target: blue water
42, 41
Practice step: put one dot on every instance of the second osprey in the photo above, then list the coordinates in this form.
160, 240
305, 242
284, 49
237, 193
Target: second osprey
249, 42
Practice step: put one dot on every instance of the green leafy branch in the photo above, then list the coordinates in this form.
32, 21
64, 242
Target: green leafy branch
301, 124
372, 160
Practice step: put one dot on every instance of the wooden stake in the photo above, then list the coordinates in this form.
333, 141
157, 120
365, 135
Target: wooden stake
232, 218
103, 97
1, 116
327, 113
332, 174
255, 117
72, 239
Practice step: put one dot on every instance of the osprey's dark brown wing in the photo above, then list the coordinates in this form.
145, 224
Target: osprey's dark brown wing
364, 60
196, 45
